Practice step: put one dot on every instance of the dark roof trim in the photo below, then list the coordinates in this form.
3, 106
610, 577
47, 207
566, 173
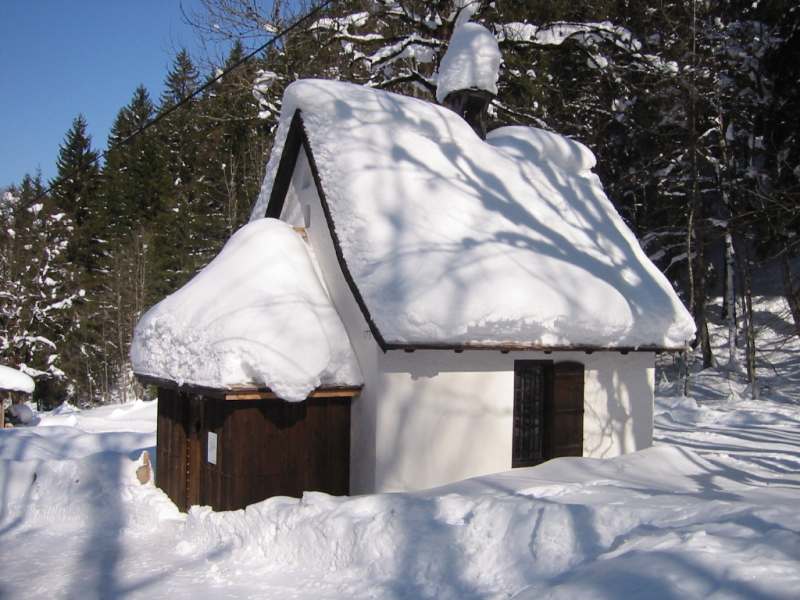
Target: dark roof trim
297, 138
283, 177
411, 346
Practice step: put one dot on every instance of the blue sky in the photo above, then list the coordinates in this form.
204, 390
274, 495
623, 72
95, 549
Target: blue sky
59, 58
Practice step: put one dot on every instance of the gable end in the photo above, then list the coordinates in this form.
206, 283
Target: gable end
297, 138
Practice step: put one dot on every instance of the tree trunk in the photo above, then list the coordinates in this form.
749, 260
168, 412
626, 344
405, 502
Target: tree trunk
791, 291
685, 367
726, 189
730, 300
697, 263
750, 335
724, 313
698, 283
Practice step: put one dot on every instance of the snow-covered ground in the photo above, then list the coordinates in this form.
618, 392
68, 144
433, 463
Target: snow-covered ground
712, 511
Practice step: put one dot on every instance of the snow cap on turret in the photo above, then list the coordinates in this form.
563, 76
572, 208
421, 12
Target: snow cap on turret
465, 10
468, 73
472, 61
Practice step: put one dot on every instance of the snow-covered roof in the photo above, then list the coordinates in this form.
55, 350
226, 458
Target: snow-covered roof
472, 61
451, 240
256, 315
15, 381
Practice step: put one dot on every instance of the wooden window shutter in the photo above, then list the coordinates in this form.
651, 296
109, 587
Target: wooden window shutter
564, 415
532, 388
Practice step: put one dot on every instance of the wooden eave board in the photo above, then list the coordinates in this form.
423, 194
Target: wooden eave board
246, 392
500, 347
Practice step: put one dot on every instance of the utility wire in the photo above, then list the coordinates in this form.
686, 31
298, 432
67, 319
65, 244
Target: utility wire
162, 115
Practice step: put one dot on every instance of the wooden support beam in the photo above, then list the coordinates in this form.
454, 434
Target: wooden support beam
269, 395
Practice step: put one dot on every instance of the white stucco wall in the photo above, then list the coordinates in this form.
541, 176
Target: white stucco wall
444, 416
432, 417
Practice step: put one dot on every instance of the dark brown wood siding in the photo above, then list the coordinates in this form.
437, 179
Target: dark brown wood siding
264, 448
171, 446
565, 421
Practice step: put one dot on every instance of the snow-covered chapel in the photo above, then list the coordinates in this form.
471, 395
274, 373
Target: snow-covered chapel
415, 301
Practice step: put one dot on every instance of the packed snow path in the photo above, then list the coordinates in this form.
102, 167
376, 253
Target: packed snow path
710, 512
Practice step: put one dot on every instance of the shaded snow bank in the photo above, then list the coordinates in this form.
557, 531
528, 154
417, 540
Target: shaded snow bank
570, 528
256, 315
713, 514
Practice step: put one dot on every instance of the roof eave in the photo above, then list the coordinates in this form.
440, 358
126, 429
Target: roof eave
523, 347
245, 391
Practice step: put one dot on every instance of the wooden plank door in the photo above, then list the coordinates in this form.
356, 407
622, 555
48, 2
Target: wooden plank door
564, 414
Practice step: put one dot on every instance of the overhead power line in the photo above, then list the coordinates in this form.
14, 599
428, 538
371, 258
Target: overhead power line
165, 113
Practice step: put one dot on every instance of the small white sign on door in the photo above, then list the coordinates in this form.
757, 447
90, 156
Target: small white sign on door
212, 447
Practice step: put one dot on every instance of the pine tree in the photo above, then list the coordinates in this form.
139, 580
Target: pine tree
75, 191
235, 154
135, 187
181, 81
692, 109
38, 287
134, 176
174, 233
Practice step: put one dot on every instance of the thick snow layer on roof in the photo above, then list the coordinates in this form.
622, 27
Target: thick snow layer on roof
472, 60
529, 143
257, 314
454, 240
15, 381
